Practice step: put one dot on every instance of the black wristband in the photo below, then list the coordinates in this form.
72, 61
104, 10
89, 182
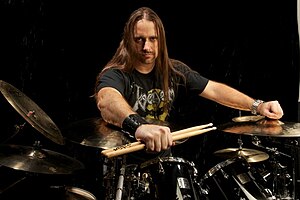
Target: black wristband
132, 122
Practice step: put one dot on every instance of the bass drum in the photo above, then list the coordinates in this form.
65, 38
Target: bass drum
232, 179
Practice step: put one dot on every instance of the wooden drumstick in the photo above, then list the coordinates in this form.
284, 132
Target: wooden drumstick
173, 134
137, 147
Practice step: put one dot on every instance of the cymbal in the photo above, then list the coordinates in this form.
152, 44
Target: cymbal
251, 155
35, 160
262, 127
95, 132
31, 112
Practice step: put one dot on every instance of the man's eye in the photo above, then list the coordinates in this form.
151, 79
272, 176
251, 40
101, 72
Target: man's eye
139, 39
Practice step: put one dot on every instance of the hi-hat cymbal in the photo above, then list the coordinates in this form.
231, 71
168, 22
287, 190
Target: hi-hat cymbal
262, 127
251, 155
95, 132
37, 160
31, 112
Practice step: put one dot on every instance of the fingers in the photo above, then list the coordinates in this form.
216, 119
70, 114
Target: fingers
155, 137
272, 110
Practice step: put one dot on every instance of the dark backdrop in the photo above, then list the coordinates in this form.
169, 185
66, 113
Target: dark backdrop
53, 50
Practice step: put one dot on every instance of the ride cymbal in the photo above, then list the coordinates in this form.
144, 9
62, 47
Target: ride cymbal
37, 160
95, 132
262, 127
251, 155
31, 112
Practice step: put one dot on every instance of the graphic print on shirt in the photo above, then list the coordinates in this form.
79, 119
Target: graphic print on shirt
152, 102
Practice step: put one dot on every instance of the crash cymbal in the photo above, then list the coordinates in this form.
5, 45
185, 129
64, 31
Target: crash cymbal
31, 112
95, 132
251, 155
37, 160
262, 127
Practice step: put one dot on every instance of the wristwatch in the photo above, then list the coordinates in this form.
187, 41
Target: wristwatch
255, 105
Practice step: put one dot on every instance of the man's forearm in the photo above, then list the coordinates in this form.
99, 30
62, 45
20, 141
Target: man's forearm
113, 107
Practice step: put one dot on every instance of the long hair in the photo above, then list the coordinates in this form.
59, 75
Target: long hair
125, 53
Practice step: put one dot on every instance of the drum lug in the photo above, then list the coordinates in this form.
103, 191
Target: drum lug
161, 168
225, 174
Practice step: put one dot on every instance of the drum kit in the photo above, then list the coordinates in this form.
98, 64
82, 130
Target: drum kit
269, 170
242, 173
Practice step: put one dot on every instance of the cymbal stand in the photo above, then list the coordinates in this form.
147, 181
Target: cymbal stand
12, 185
295, 148
240, 141
119, 188
109, 178
280, 171
17, 128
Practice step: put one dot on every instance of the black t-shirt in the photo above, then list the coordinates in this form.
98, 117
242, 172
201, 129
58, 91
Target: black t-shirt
145, 95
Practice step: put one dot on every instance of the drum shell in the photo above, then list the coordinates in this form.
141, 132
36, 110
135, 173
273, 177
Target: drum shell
172, 177
231, 179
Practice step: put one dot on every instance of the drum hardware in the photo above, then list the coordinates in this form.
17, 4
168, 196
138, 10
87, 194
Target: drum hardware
109, 179
120, 183
131, 183
138, 183
12, 185
17, 129
232, 179
146, 182
282, 180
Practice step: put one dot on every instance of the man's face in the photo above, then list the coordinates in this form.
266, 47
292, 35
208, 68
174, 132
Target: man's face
146, 44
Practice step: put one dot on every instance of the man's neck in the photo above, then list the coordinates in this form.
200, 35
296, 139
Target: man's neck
144, 68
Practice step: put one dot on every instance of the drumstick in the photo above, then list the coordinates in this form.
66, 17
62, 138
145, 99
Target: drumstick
173, 134
141, 146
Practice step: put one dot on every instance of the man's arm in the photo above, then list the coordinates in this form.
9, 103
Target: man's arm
115, 109
233, 98
112, 105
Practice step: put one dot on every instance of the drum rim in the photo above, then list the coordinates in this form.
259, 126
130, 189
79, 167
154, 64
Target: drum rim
218, 166
167, 159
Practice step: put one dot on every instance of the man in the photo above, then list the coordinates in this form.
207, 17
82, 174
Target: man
141, 81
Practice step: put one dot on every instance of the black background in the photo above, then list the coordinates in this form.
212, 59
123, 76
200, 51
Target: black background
53, 50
